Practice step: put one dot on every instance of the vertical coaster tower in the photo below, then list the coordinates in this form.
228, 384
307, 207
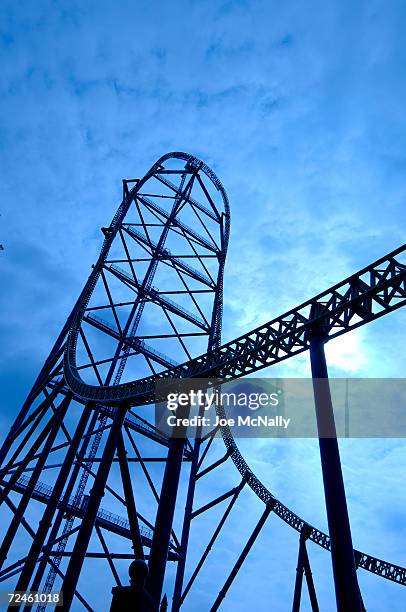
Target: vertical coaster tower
153, 300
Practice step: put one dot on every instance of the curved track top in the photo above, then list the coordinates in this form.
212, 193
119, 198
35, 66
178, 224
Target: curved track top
349, 304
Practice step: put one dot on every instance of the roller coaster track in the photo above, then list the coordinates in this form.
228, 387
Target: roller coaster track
372, 292
153, 301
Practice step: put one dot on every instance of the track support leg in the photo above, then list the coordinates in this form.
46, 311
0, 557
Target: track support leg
342, 553
303, 566
242, 557
164, 520
96, 494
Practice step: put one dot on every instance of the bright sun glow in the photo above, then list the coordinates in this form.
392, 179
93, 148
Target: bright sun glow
346, 353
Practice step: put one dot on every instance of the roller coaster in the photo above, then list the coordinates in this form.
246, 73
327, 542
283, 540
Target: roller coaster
152, 311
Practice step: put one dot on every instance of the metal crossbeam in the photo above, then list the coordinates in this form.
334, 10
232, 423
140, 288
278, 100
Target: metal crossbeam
177, 223
166, 256
140, 345
158, 298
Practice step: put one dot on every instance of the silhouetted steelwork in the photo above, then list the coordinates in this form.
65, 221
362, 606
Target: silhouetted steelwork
153, 302
342, 550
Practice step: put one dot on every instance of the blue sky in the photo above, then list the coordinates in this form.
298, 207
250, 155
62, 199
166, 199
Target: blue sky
299, 108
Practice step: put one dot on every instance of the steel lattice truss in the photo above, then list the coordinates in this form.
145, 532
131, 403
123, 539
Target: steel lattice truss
152, 302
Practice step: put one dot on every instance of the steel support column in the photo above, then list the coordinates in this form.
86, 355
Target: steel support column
342, 553
61, 513
96, 494
310, 584
299, 574
242, 557
213, 538
129, 499
46, 521
303, 567
164, 520
165, 513
180, 571
54, 425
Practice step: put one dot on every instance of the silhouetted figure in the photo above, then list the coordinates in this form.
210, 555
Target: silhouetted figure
133, 598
